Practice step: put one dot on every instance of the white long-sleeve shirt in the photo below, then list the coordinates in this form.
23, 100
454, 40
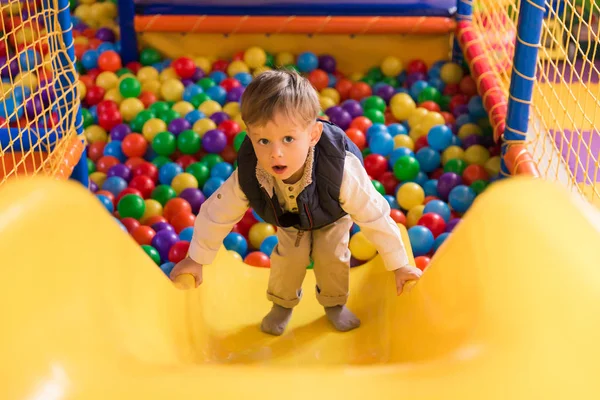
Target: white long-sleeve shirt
358, 197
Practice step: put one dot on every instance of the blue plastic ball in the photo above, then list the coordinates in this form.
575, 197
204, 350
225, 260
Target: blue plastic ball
439, 240
438, 207
420, 179
307, 61
244, 78
421, 240
106, 203
397, 153
29, 59
437, 83
257, 217
194, 116
392, 201
222, 170
236, 242
463, 119
428, 159
461, 197
218, 76
355, 228
456, 141
439, 137
89, 59
268, 244
375, 129
430, 188
167, 172
114, 149
167, 267
186, 234
212, 185
106, 46
191, 91
381, 143
417, 88
396, 129
476, 108
332, 80
114, 184
434, 72
94, 113
217, 93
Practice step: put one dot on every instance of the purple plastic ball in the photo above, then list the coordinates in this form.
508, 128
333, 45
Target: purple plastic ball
159, 226
187, 82
333, 111
118, 132
460, 110
353, 108
452, 224
214, 141
120, 170
47, 92
343, 119
12, 69
194, 197
179, 125
163, 241
446, 183
415, 76
219, 117
198, 74
235, 94
33, 107
93, 186
472, 140
327, 63
386, 92
106, 35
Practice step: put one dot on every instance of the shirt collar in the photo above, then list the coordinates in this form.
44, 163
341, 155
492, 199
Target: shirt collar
267, 181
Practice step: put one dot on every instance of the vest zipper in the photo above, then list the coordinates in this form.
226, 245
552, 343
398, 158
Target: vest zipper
298, 238
309, 217
272, 206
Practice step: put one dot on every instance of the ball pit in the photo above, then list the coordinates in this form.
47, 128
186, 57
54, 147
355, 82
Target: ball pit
162, 136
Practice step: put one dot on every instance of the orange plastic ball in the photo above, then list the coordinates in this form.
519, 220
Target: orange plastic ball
155, 219
182, 220
398, 216
258, 259
357, 136
110, 61
143, 234
319, 79
105, 163
176, 206
474, 172
422, 262
148, 98
361, 123
134, 145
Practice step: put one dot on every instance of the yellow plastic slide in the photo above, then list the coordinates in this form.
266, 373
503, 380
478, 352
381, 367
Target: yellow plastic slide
509, 309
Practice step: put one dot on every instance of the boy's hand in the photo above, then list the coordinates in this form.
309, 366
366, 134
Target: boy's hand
187, 266
405, 274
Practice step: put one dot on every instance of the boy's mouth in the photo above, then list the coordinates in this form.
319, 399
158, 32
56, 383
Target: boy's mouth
279, 169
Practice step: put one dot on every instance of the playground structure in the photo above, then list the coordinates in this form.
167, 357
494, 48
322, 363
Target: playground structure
466, 330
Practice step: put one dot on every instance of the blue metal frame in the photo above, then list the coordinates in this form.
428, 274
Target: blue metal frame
529, 31
464, 12
129, 43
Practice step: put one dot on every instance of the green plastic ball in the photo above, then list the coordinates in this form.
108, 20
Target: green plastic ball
189, 142
169, 115
152, 253
429, 94
164, 143
91, 166
406, 168
87, 117
149, 56
206, 83
374, 103
375, 116
378, 186
270, 60
390, 80
137, 124
132, 206
444, 103
369, 80
212, 159
199, 99
455, 165
479, 186
163, 193
159, 107
238, 140
124, 71
130, 87
159, 161
375, 73
200, 171
366, 151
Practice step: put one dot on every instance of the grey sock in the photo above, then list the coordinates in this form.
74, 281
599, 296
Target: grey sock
276, 320
342, 319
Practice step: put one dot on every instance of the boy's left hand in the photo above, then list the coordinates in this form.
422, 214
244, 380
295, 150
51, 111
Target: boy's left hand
405, 274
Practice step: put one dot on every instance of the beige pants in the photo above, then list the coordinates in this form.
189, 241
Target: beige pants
329, 249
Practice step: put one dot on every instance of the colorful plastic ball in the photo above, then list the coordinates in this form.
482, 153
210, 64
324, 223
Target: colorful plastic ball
258, 259
176, 206
268, 244
477, 154
144, 184
152, 253
120, 170
259, 232
114, 149
307, 61
375, 165
421, 240
404, 141
422, 262
478, 186
183, 181
187, 234
167, 267
114, 185
209, 107
434, 222
134, 145
106, 202
381, 143
164, 143
428, 159
178, 125
200, 171
212, 185
440, 208
152, 209
184, 67
430, 188
132, 206
130, 87
451, 73
193, 196
447, 182
214, 141
461, 197
163, 193
439, 137
455, 165
440, 240
391, 66
236, 242
172, 90
406, 168
169, 171
361, 248
143, 234
153, 127
182, 220
409, 195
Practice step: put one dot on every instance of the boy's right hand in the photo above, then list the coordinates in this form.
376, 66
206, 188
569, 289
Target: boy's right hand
187, 266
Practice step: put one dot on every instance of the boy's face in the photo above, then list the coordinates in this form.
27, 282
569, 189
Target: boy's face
282, 145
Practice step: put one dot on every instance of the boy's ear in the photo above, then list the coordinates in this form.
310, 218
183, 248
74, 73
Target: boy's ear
316, 132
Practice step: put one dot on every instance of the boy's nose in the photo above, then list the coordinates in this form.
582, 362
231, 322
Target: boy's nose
276, 152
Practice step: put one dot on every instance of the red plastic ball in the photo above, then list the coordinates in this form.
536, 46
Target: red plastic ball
134, 145
389, 181
398, 216
133, 162
147, 98
182, 220
239, 56
451, 89
94, 95
220, 65
360, 90
258, 259
420, 143
134, 66
434, 222
178, 251
430, 105
106, 105
358, 137
93, 73
457, 100
105, 163
186, 160
96, 150
319, 79
246, 222
229, 83
229, 154
107, 194
415, 66
343, 87
144, 184
184, 67
468, 86
176, 206
146, 168
422, 262
361, 123
109, 119
473, 173
155, 219
437, 173
375, 164
428, 199
143, 234
130, 223
448, 118
230, 128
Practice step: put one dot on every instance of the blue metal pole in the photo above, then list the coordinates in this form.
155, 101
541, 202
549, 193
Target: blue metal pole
464, 12
129, 44
529, 31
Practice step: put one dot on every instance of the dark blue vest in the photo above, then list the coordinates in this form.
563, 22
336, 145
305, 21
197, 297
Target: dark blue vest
318, 203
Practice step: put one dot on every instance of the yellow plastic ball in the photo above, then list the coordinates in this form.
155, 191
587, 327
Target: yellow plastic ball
417, 116
147, 74
152, 86
83, 12
332, 94
153, 127
109, 10
451, 73
237, 67
130, 107
114, 94
107, 80
284, 58
410, 195
451, 153
416, 132
391, 66
326, 102
469, 129
98, 178
203, 63
232, 108
414, 215
25, 35
81, 89
361, 248
235, 255
259, 232
167, 74
172, 90
240, 121
477, 154
27, 79
255, 57
356, 76
432, 119
153, 209
402, 106
492, 166
260, 70
209, 107
403, 141
184, 181
183, 107
203, 125
95, 133
82, 40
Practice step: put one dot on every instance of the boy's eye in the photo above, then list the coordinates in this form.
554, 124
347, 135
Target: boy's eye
263, 141
288, 139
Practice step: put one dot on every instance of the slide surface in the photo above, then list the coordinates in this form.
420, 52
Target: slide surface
509, 308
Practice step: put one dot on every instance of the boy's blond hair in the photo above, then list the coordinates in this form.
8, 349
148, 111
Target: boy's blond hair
279, 91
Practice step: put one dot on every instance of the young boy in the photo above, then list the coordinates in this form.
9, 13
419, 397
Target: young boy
306, 177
